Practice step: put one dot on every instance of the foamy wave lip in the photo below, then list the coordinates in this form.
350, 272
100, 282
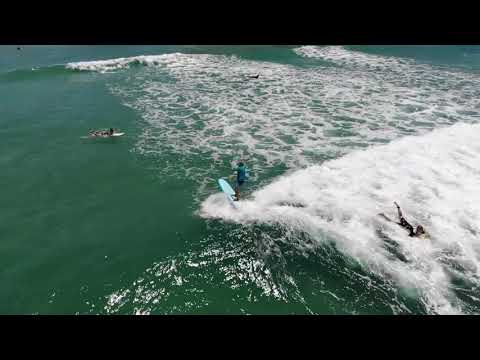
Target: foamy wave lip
339, 54
435, 179
105, 66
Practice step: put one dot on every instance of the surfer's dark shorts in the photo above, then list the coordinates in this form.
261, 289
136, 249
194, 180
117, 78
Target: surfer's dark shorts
240, 182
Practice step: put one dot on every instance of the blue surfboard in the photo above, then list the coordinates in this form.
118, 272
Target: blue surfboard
227, 189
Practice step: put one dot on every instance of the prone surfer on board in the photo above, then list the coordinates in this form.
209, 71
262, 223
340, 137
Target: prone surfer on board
241, 171
101, 132
420, 231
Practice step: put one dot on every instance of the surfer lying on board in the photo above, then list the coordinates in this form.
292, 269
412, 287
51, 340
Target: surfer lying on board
101, 132
404, 223
241, 171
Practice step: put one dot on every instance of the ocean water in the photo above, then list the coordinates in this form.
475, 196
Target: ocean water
332, 135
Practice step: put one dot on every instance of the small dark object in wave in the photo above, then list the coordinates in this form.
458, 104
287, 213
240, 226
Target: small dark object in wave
18, 48
254, 76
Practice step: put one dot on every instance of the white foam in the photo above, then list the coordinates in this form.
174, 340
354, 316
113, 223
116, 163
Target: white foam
202, 105
435, 178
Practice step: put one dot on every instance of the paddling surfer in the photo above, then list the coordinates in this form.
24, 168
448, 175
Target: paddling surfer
420, 231
241, 172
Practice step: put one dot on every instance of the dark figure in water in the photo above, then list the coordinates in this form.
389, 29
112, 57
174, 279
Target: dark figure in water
254, 76
102, 133
404, 223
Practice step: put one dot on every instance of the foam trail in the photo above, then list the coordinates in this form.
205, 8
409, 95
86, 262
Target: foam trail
434, 177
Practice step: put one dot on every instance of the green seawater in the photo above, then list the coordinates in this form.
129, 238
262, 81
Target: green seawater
113, 226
